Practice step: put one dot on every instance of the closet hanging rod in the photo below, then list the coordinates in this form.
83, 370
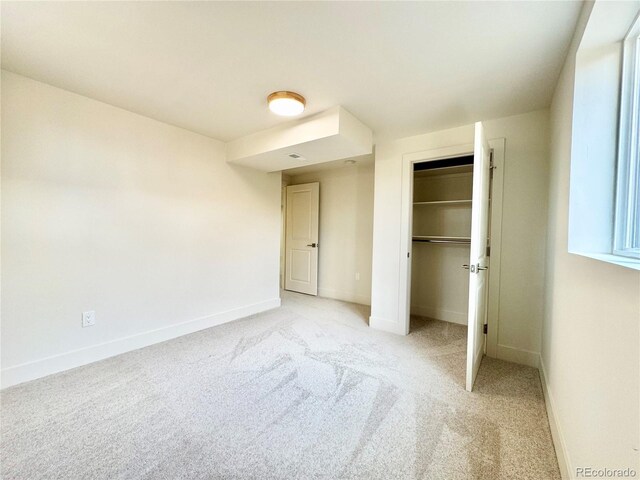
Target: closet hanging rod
434, 239
453, 242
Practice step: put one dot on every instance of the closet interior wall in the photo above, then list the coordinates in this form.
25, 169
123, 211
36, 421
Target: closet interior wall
442, 215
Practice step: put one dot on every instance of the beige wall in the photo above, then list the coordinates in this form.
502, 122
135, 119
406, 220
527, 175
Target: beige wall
523, 232
143, 222
591, 331
346, 229
523, 227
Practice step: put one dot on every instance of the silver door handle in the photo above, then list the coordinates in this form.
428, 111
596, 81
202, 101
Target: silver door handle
313, 245
474, 268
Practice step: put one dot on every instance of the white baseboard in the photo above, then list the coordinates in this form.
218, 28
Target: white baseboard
440, 314
76, 358
515, 355
385, 325
344, 296
564, 462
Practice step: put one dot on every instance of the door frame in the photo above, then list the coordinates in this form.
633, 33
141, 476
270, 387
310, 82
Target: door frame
406, 227
283, 232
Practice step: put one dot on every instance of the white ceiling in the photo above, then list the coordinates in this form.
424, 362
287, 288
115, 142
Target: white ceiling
401, 68
361, 160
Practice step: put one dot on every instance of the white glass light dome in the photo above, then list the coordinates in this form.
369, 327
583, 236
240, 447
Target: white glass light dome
288, 104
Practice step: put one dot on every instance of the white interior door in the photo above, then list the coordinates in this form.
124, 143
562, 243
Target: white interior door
301, 245
478, 261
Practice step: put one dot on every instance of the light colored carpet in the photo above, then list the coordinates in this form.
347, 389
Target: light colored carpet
306, 391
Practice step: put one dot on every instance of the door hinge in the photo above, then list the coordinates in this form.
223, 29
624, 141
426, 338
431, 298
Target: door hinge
492, 165
485, 328
488, 250
408, 254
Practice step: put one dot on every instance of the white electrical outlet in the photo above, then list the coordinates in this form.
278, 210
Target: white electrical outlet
357, 276
89, 318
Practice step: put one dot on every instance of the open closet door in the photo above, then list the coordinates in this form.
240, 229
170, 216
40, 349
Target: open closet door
478, 261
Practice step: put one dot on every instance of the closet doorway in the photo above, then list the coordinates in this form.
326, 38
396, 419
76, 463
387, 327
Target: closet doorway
449, 241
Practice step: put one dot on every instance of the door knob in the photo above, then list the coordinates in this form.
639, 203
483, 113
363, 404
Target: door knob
313, 245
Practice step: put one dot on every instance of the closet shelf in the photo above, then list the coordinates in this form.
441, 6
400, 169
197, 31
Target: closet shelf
441, 239
444, 202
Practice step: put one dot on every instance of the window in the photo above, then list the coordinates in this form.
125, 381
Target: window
627, 220
604, 190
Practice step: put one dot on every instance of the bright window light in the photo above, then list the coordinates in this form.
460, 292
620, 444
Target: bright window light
627, 220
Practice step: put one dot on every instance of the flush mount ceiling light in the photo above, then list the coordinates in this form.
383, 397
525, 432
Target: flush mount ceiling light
285, 103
